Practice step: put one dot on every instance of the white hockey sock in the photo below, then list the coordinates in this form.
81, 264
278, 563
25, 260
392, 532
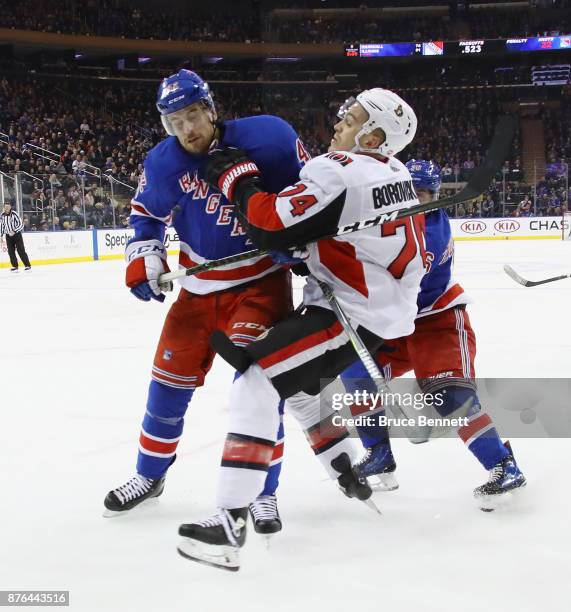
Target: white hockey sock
326, 439
254, 421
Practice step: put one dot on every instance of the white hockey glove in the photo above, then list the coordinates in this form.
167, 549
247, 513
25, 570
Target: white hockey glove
146, 261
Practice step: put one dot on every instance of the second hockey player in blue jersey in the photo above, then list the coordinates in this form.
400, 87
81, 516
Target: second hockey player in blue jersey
441, 351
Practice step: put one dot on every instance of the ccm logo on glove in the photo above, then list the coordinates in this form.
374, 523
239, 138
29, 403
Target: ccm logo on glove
146, 261
145, 248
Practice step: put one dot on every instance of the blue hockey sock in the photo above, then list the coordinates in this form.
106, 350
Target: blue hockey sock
161, 429
274, 471
356, 378
489, 448
479, 435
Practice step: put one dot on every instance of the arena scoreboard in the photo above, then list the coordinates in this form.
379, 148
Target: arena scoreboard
542, 43
460, 47
395, 49
475, 47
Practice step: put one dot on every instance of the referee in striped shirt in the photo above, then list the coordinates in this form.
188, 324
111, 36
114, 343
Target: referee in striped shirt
12, 226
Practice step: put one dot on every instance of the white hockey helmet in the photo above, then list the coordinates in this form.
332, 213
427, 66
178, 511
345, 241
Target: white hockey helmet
387, 111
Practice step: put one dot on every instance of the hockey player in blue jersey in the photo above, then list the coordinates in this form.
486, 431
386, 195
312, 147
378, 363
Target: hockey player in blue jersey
243, 299
441, 352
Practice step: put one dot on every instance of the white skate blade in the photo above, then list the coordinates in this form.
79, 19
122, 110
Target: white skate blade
115, 513
112, 514
371, 504
490, 503
267, 537
383, 482
420, 439
221, 556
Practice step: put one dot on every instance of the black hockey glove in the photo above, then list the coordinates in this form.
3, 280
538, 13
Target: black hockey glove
233, 173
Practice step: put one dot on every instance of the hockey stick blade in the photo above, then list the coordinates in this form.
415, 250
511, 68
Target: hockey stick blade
527, 283
515, 276
481, 179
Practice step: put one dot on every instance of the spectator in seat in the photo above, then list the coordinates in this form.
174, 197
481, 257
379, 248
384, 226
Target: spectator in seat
524, 207
553, 205
488, 206
447, 173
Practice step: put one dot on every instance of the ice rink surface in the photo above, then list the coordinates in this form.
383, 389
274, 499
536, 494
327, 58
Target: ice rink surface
75, 355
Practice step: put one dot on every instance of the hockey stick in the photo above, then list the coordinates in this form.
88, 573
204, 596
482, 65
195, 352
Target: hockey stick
479, 182
415, 435
209, 265
527, 283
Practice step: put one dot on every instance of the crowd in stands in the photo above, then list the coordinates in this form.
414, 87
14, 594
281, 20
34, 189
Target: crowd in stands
558, 129
120, 18
319, 30
490, 24
66, 136
452, 73
454, 129
552, 193
73, 119
250, 22
363, 29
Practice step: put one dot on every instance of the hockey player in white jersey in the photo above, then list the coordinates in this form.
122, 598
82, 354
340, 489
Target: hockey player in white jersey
375, 275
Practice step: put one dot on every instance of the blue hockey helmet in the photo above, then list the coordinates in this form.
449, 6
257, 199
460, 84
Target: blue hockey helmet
425, 174
180, 90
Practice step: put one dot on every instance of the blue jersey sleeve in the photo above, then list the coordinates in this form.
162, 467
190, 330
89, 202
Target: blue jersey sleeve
157, 194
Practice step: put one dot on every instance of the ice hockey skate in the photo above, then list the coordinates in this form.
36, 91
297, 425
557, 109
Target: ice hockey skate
265, 516
351, 483
505, 479
134, 492
378, 467
217, 540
